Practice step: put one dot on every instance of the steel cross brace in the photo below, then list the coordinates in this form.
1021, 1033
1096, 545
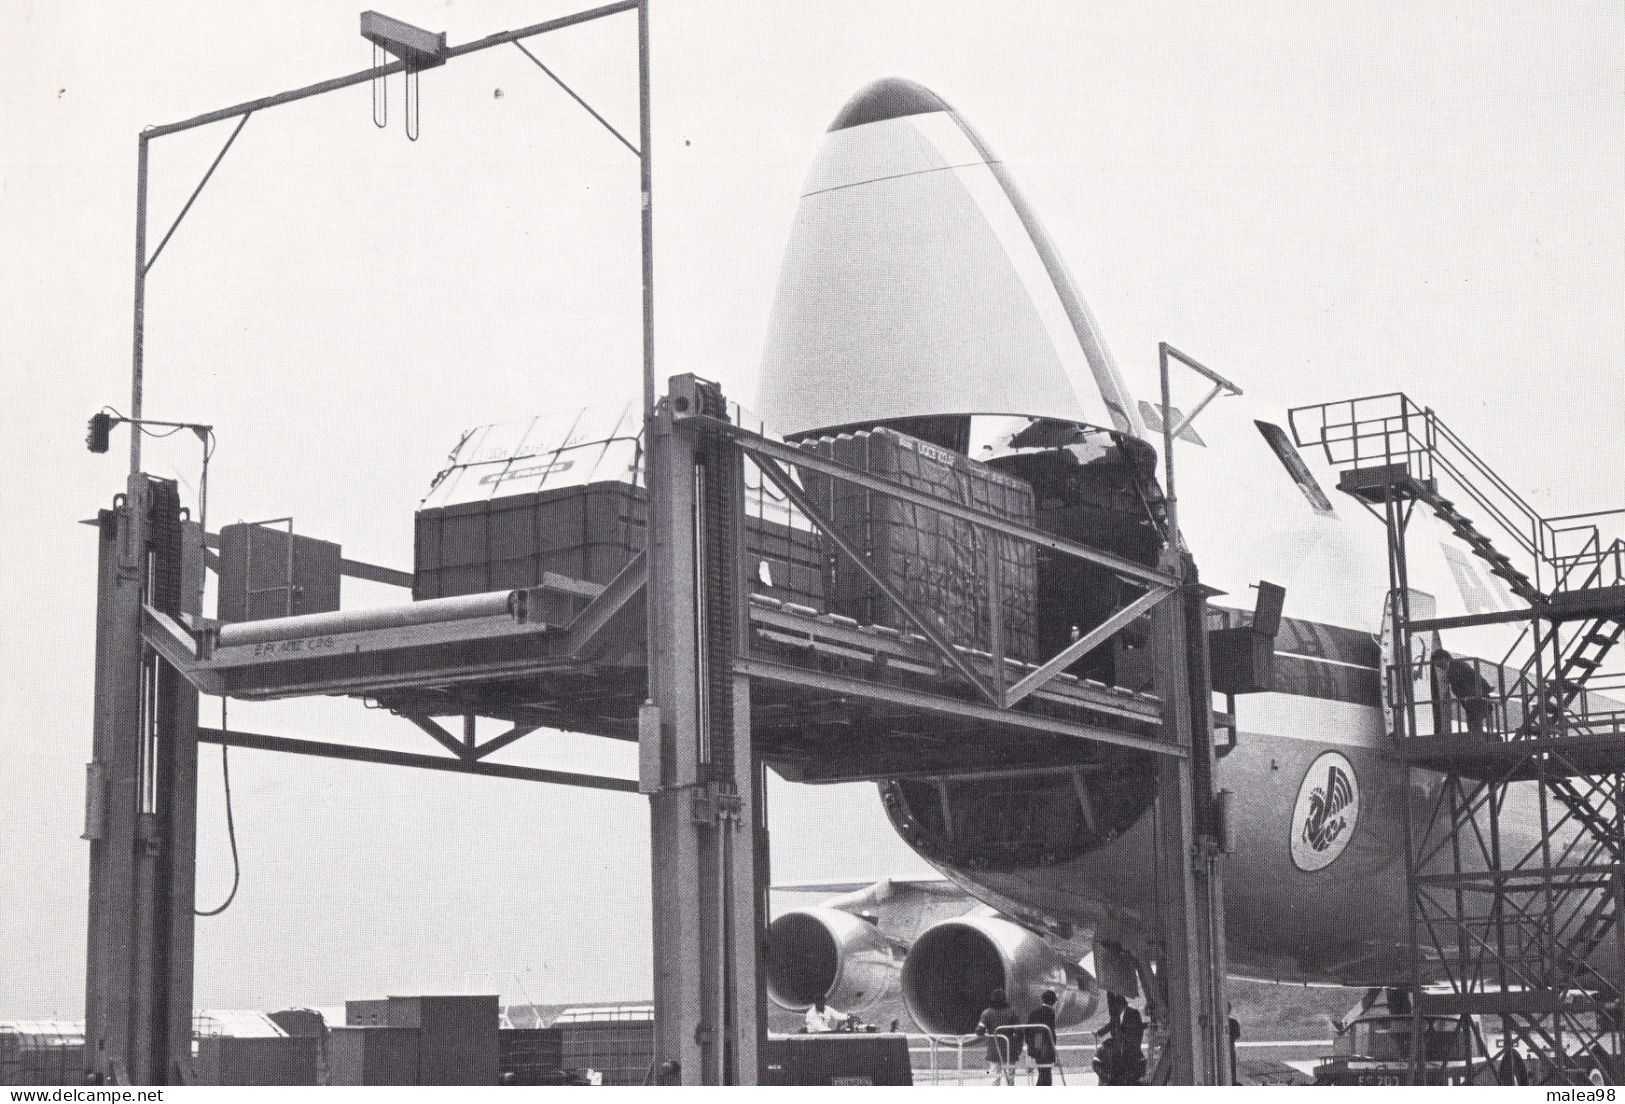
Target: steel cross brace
176, 225
997, 694
804, 503
466, 749
571, 92
759, 447
1058, 663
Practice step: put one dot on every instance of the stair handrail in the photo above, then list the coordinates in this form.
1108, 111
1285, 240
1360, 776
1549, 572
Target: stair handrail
1347, 430
1594, 578
1591, 551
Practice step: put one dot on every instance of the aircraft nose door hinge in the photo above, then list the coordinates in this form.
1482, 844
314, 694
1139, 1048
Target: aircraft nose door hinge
717, 803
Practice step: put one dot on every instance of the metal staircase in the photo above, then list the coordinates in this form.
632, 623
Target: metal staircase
1514, 864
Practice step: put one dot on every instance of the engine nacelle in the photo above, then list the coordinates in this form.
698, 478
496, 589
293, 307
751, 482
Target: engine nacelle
829, 953
953, 968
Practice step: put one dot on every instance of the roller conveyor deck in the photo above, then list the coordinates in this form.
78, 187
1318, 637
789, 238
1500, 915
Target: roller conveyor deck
570, 655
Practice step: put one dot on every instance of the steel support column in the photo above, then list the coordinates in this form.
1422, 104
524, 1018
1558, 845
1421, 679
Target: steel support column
698, 765
141, 802
1191, 963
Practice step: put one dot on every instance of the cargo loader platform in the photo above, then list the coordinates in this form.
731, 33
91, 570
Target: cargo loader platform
837, 701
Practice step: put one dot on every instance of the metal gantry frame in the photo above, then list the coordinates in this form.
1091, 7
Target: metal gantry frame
710, 685
705, 775
1528, 933
141, 799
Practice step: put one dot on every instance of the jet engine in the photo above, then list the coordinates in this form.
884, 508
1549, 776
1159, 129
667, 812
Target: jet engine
955, 965
828, 952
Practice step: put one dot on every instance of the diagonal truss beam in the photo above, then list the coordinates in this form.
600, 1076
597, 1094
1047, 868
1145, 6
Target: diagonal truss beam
571, 92
758, 448
1091, 640
497, 743
607, 609
176, 225
804, 503
440, 735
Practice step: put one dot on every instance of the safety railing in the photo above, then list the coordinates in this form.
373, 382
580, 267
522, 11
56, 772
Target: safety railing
1577, 547
1511, 705
1012, 1043
1391, 429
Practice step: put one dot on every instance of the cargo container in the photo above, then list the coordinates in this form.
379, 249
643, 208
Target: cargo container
372, 1056
457, 1037
530, 1056
225, 1060
837, 1059
266, 571
42, 1052
943, 565
616, 1043
563, 494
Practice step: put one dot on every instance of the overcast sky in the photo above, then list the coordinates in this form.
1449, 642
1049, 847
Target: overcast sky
1317, 200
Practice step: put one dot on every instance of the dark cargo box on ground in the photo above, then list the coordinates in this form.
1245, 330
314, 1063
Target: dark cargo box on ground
372, 1056
837, 1059
940, 563
530, 1055
257, 580
226, 1060
621, 1050
29, 1059
457, 1037
587, 532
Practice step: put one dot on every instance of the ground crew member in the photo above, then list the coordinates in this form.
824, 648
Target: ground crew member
1003, 1043
822, 1020
1510, 1067
1120, 1060
1235, 1037
1463, 682
1041, 1037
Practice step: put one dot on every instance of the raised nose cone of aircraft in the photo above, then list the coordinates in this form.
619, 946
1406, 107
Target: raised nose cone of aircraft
888, 98
916, 281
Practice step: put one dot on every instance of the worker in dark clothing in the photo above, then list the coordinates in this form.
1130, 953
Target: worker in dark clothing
1003, 1040
1235, 1037
1510, 1067
1456, 678
1119, 1060
1041, 1037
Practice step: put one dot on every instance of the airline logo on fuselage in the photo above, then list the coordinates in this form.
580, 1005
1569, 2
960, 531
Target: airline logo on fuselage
1327, 809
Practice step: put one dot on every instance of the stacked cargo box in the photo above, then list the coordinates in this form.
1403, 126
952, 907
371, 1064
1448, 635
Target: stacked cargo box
227, 1060
563, 494
941, 564
531, 1055
434, 1040
372, 1055
837, 1059
620, 1049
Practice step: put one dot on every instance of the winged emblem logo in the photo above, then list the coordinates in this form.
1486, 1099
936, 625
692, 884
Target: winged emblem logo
1326, 811
1326, 821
